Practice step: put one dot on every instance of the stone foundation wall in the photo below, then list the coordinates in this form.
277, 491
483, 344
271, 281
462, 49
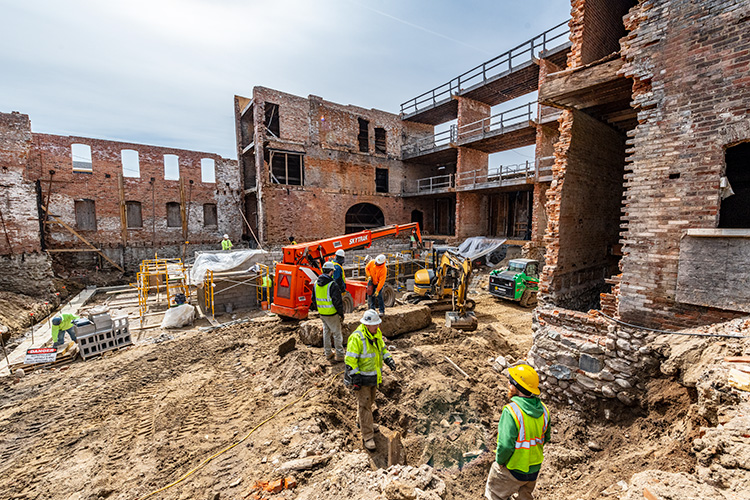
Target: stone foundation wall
28, 273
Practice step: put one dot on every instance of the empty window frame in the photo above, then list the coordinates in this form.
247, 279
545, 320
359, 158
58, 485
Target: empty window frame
272, 119
133, 214
364, 135
81, 155
85, 215
209, 215
171, 167
174, 216
380, 140
735, 208
208, 170
130, 164
381, 180
287, 168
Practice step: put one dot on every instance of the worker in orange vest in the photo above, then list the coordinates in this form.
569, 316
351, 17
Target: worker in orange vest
376, 272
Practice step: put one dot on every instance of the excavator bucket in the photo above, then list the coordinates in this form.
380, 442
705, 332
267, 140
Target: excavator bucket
467, 322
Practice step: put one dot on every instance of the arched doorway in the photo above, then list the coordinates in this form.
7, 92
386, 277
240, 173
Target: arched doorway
363, 216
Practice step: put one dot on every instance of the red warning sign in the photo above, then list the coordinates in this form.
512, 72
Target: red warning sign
284, 281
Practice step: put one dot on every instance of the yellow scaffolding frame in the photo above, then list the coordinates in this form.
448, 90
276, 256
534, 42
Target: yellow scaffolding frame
208, 292
168, 275
262, 273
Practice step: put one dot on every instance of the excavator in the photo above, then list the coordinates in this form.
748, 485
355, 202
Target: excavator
302, 263
446, 288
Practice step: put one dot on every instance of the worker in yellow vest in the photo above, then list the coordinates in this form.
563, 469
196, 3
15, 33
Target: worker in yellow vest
61, 325
521, 434
226, 244
331, 311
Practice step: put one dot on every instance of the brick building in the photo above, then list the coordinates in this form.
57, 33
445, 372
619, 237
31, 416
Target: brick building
642, 222
127, 200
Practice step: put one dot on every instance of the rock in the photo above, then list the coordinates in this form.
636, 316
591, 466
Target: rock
591, 348
625, 398
609, 392
606, 375
279, 392
19, 373
287, 347
560, 372
623, 383
397, 490
594, 446
397, 320
445, 423
301, 464
567, 359
623, 345
501, 361
236, 482
620, 365
590, 364
587, 383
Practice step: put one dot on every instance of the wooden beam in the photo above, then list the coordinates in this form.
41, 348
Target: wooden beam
562, 87
75, 233
66, 250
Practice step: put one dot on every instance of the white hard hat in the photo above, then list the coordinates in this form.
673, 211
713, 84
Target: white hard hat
226, 236
340, 253
329, 266
380, 259
371, 317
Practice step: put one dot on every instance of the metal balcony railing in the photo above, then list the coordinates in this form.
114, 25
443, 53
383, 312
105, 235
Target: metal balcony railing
503, 63
427, 144
499, 122
434, 184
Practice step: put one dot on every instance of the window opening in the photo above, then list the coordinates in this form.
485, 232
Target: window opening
735, 208
364, 135
381, 180
380, 140
209, 215
363, 216
272, 119
174, 218
130, 164
171, 167
133, 214
81, 155
287, 168
208, 170
85, 215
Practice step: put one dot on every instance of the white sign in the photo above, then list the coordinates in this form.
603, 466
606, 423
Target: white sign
41, 355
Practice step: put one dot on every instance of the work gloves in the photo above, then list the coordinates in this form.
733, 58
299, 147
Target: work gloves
391, 364
375, 293
356, 380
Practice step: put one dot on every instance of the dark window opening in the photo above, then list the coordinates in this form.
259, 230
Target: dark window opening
209, 215
363, 216
381, 180
445, 216
380, 140
287, 168
272, 119
364, 135
735, 208
174, 217
418, 217
85, 215
133, 214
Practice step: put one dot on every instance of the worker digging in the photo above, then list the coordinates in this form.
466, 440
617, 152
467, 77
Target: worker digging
377, 273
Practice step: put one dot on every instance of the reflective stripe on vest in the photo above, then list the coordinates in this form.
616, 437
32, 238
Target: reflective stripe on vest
323, 299
530, 441
343, 275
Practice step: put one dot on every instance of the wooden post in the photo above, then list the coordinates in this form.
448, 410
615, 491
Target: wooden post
123, 210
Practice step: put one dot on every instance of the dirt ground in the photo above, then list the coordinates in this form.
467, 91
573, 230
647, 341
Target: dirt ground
130, 422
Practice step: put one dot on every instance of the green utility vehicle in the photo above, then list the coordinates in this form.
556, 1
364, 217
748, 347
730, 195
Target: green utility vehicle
519, 282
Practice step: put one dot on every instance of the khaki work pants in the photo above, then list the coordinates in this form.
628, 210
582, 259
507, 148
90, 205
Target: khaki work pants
365, 398
501, 485
332, 328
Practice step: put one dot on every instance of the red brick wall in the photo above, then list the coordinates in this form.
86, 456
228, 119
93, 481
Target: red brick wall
596, 28
51, 152
691, 64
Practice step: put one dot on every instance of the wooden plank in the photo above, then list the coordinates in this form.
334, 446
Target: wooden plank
737, 359
75, 233
70, 250
648, 495
569, 83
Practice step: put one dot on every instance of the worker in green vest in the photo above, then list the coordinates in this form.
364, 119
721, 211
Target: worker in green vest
365, 355
226, 244
521, 434
61, 325
331, 310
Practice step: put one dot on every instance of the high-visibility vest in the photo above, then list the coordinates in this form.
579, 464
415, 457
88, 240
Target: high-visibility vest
266, 282
226, 245
323, 299
530, 440
365, 354
341, 268
65, 324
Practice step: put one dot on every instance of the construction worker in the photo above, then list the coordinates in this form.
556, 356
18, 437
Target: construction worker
291, 240
61, 325
365, 355
376, 272
226, 244
521, 434
331, 310
338, 273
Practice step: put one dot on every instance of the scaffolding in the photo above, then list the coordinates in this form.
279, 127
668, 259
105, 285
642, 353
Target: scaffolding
168, 277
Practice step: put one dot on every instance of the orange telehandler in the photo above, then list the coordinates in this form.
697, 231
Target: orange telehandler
302, 263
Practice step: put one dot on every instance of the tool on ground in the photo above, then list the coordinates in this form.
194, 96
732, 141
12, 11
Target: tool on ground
446, 288
296, 274
518, 282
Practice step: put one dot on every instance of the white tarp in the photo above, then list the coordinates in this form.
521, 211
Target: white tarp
480, 246
224, 261
179, 316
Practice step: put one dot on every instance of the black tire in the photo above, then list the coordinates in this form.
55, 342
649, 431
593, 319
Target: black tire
470, 304
528, 299
348, 303
389, 295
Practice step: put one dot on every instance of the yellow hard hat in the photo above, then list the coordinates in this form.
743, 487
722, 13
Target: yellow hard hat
525, 377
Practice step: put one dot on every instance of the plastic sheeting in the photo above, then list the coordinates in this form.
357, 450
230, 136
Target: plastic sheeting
491, 249
224, 261
179, 316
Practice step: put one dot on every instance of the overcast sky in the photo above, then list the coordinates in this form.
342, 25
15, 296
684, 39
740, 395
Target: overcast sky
164, 72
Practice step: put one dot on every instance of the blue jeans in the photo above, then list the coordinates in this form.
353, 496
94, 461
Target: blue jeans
61, 336
371, 302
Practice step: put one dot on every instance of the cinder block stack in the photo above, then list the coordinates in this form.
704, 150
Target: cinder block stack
102, 334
